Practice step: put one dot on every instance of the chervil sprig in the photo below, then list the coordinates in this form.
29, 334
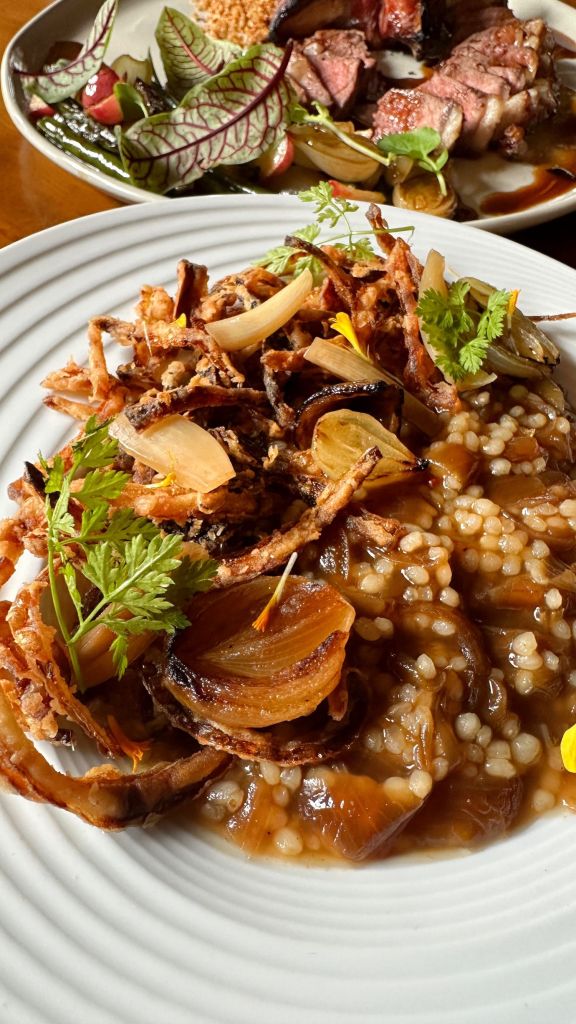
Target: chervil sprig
284, 259
459, 334
140, 576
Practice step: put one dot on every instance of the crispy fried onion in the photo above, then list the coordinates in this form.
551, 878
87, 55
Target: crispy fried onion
104, 796
313, 739
223, 669
276, 549
35, 674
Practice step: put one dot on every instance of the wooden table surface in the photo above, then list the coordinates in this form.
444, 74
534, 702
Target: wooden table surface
36, 194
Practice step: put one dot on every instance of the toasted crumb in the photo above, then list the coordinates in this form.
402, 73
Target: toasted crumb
241, 21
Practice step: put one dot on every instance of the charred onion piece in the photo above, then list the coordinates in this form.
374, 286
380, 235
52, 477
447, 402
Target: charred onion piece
378, 398
309, 740
103, 797
190, 397
341, 435
276, 549
223, 669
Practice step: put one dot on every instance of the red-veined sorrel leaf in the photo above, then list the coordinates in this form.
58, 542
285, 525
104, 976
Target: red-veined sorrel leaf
229, 119
65, 80
189, 56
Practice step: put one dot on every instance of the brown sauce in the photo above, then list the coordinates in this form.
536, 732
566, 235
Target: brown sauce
551, 147
546, 184
465, 634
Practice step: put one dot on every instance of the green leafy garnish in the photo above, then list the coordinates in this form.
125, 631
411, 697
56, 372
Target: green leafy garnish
460, 334
188, 55
284, 259
66, 78
141, 576
330, 209
229, 118
424, 146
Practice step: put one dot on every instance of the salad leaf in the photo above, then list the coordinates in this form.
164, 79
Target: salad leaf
189, 56
424, 146
65, 79
229, 119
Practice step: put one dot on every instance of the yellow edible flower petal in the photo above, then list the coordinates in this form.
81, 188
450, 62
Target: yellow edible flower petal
164, 482
342, 324
512, 303
568, 749
263, 620
179, 322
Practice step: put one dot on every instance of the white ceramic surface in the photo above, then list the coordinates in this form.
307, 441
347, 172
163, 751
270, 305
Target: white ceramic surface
134, 32
162, 926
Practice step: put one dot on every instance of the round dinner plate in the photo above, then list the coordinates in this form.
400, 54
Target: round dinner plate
133, 32
165, 925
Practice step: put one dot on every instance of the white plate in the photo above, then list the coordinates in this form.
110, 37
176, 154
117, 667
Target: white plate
160, 926
134, 32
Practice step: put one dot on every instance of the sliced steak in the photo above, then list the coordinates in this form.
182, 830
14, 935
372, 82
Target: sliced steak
307, 84
332, 66
403, 110
342, 61
481, 113
471, 73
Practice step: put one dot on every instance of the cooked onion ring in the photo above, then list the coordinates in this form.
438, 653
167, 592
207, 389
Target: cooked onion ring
223, 669
311, 742
104, 796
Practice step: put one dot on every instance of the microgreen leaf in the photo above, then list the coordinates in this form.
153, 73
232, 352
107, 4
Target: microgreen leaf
423, 145
189, 56
66, 79
230, 118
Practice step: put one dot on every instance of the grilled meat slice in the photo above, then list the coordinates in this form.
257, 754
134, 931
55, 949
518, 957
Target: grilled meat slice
401, 110
332, 67
497, 80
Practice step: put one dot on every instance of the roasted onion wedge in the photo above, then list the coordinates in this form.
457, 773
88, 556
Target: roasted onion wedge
224, 670
313, 740
103, 797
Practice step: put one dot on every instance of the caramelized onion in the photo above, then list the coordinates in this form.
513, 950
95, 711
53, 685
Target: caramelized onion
237, 332
342, 435
224, 670
380, 399
311, 740
353, 815
179, 448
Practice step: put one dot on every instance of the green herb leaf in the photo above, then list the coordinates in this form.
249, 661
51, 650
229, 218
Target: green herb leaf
230, 118
140, 574
189, 56
98, 486
459, 334
285, 260
423, 145
327, 208
67, 79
